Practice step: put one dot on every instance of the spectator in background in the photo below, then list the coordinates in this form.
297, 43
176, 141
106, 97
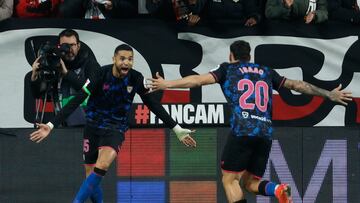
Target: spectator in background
37, 8
6, 9
245, 11
310, 11
188, 11
344, 10
96, 9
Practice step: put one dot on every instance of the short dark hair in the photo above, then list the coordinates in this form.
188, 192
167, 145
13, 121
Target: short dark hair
123, 47
69, 33
241, 50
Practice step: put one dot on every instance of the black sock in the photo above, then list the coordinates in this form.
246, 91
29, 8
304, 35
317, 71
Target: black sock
99, 171
241, 201
262, 187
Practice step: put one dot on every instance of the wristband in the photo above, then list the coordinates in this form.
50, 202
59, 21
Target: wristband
51, 126
177, 129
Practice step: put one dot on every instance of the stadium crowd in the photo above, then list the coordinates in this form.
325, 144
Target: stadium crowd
188, 12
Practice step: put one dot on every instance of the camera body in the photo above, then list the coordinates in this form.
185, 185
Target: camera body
49, 59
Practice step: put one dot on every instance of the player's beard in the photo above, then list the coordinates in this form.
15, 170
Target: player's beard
123, 70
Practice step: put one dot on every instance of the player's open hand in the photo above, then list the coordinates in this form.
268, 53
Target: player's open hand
41, 133
183, 135
340, 96
155, 84
187, 140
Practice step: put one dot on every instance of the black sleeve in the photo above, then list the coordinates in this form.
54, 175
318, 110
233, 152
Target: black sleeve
69, 108
338, 12
152, 7
158, 110
36, 88
124, 8
87, 89
277, 80
40, 86
152, 104
219, 73
198, 7
72, 9
252, 10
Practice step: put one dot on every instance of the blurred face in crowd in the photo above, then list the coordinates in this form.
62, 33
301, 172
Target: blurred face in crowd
123, 62
74, 47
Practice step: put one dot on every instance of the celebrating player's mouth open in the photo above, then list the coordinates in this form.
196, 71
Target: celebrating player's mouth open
123, 62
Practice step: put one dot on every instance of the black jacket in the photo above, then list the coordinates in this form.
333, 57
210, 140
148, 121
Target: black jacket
343, 10
228, 9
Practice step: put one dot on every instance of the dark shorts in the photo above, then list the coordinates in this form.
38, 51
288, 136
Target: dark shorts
248, 153
95, 138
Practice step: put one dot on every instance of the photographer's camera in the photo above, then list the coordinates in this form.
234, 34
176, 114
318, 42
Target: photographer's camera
49, 60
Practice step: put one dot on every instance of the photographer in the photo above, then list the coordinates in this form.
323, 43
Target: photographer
74, 65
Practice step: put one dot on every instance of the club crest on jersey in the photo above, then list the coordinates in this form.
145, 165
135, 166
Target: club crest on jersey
106, 87
245, 114
129, 88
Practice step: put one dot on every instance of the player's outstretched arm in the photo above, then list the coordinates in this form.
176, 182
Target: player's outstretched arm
182, 134
159, 83
336, 95
41, 133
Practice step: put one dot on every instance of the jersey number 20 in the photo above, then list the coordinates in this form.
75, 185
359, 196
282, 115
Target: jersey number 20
261, 100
